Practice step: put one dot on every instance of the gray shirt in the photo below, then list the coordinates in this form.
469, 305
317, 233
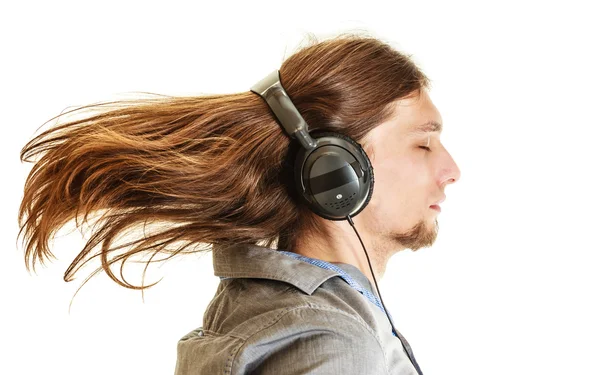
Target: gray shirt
278, 315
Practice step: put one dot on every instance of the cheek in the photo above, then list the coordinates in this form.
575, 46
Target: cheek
400, 182
398, 171
392, 181
417, 169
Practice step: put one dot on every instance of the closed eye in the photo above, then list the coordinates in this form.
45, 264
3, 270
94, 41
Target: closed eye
426, 148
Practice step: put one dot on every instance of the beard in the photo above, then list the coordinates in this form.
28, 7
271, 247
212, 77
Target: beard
422, 234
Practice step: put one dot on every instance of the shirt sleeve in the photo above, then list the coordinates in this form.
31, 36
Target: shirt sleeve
311, 340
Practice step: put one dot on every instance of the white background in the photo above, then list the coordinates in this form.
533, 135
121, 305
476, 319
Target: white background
511, 285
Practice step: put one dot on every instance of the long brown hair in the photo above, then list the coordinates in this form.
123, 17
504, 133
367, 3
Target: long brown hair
213, 169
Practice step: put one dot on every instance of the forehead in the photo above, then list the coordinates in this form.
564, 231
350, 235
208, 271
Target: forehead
417, 116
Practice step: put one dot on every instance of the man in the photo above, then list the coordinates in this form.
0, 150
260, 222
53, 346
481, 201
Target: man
314, 309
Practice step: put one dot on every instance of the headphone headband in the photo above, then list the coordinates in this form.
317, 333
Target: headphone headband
271, 90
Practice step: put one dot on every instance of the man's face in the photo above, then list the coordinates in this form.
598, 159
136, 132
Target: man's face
408, 178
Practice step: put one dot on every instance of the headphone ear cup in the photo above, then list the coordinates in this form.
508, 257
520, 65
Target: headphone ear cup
370, 182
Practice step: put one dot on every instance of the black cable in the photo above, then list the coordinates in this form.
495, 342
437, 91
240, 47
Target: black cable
406, 350
374, 278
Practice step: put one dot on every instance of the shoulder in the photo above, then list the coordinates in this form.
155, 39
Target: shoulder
243, 306
304, 339
317, 339
271, 327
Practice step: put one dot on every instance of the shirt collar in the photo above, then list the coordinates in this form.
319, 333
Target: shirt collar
253, 261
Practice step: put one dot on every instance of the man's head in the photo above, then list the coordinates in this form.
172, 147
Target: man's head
350, 85
409, 178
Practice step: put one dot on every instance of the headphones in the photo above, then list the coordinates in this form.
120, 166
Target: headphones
333, 174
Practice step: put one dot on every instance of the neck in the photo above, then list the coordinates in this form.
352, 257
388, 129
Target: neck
343, 246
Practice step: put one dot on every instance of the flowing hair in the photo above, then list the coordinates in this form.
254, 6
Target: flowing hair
206, 170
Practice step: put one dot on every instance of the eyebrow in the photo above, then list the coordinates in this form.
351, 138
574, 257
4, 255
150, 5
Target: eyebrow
429, 126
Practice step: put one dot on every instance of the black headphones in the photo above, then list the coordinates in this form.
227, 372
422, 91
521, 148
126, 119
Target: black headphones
332, 173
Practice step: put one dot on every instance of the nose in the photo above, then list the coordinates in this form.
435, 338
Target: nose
455, 178
453, 174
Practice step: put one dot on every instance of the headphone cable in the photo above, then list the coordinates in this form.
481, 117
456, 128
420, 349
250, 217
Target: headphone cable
406, 346
374, 279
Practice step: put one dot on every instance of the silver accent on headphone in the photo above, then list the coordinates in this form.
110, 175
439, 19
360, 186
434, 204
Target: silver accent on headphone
271, 90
